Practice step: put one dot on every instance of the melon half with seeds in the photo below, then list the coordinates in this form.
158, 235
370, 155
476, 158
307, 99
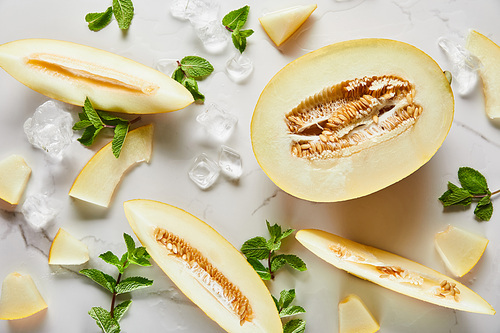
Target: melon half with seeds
205, 267
351, 118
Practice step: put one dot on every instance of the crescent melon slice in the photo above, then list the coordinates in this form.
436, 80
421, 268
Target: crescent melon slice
20, 297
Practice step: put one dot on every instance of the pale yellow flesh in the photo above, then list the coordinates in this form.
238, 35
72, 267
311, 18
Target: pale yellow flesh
460, 249
14, 175
321, 242
98, 179
489, 54
20, 298
380, 164
145, 216
72, 72
67, 250
281, 25
354, 316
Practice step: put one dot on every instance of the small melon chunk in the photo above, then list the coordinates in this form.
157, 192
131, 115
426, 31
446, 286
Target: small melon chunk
392, 272
98, 179
67, 250
205, 267
71, 72
20, 298
460, 249
350, 119
489, 54
354, 316
280, 25
14, 175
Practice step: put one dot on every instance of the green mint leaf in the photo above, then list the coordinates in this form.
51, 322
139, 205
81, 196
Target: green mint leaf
121, 131
246, 33
239, 41
276, 302
92, 114
129, 241
82, 124
286, 298
273, 245
97, 21
484, 209
196, 67
295, 326
455, 196
292, 260
104, 280
291, 311
109, 119
274, 230
132, 283
286, 233
473, 181
262, 270
89, 135
82, 115
178, 75
110, 258
277, 262
192, 86
125, 261
255, 248
120, 309
233, 18
104, 320
141, 262
124, 12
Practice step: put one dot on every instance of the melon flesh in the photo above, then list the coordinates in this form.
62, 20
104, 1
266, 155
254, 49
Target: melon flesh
20, 298
14, 175
386, 156
354, 316
204, 266
67, 250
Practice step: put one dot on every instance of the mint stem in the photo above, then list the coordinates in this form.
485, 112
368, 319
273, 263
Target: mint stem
483, 195
113, 299
228, 28
130, 123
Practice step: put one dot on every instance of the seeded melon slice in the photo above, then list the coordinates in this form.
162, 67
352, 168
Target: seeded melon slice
205, 267
393, 272
350, 119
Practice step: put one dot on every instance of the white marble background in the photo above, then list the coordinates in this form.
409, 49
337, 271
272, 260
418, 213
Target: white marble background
402, 218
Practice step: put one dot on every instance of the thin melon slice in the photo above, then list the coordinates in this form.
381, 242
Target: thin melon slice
354, 316
99, 178
20, 298
14, 175
393, 272
489, 54
67, 250
281, 25
205, 267
350, 119
460, 249
71, 72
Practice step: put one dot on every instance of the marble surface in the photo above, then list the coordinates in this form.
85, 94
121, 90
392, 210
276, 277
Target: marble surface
402, 218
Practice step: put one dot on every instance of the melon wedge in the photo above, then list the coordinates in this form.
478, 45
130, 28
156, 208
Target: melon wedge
99, 178
392, 272
354, 316
14, 175
71, 72
204, 266
350, 119
67, 250
280, 25
20, 298
489, 54
460, 249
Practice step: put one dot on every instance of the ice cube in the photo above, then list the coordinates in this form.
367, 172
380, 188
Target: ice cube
198, 12
166, 66
204, 171
239, 67
465, 66
219, 123
39, 209
213, 35
230, 162
50, 128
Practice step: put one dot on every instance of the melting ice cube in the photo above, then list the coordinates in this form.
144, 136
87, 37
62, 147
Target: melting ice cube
50, 128
39, 209
230, 162
166, 66
204, 171
213, 36
198, 12
239, 67
217, 122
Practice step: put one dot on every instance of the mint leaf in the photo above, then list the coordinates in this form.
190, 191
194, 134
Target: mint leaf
104, 320
276, 302
192, 86
291, 311
121, 131
104, 280
473, 181
129, 241
286, 233
120, 309
233, 18
455, 196
262, 270
132, 283
255, 248
178, 75
280, 260
89, 135
124, 12
246, 33
110, 258
295, 326
484, 209
239, 41
98, 21
82, 124
196, 67
274, 230
286, 297
92, 114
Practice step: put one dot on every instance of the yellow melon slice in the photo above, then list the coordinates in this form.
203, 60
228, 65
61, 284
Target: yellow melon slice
67, 250
354, 316
20, 298
14, 175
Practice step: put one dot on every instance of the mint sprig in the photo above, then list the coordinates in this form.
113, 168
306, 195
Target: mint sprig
234, 22
93, 121
122, 10
474, 188
189, 70
108, 321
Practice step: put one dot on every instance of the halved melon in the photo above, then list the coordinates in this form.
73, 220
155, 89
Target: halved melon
354, 316
205, 267
393, 272
14, 175
20, 297
71, 72
350, 119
